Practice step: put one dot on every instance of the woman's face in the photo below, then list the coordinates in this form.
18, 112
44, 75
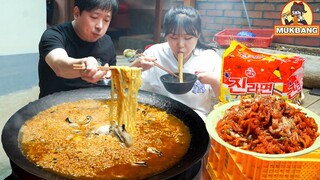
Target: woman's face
91, 25
182, 43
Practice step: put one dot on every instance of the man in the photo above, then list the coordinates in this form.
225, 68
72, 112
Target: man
82, 41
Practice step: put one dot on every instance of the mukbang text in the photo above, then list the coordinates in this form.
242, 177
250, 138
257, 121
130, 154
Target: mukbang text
296, 30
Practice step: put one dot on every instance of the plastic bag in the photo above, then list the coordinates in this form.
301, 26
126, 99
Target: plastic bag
246, 72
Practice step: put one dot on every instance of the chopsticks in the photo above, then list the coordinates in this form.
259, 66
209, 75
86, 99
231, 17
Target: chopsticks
165, 69
83, 67
161, 67
103, 68
180, 65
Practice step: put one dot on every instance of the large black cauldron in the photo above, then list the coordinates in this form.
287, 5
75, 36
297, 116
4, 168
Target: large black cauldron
198, 146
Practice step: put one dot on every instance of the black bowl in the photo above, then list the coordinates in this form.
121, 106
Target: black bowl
172, 84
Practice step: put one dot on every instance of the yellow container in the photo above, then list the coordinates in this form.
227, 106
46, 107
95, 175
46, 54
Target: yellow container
224, 163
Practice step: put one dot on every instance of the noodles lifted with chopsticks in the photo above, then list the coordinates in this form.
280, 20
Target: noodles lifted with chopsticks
126, 81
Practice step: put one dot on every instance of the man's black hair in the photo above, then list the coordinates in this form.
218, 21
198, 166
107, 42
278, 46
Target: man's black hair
88, 5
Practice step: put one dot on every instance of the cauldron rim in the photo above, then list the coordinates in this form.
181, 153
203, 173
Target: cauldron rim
199, 136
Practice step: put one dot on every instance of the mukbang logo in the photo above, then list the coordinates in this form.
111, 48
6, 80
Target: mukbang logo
296, 19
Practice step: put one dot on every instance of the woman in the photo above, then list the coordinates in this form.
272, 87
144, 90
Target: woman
182, 30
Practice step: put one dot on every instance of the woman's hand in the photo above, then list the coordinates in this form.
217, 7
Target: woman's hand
143, 62
205, 77
208, 77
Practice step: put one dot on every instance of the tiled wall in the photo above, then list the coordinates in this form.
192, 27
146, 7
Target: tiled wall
18, 72
219, 14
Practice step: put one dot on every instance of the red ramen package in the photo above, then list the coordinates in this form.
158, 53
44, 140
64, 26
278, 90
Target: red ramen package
246, 72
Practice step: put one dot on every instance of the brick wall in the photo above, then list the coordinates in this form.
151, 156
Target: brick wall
219, 14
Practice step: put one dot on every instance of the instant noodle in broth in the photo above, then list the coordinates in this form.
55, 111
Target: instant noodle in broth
64, 139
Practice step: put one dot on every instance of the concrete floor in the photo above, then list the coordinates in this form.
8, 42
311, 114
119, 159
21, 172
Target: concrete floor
9, 104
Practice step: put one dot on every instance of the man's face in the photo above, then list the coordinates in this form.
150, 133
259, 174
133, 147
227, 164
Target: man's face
91, 25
